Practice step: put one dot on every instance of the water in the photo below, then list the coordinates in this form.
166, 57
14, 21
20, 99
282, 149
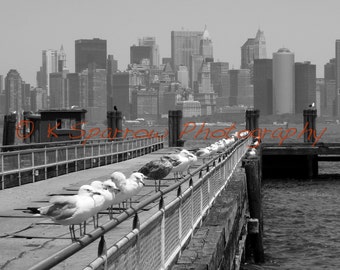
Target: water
302, 222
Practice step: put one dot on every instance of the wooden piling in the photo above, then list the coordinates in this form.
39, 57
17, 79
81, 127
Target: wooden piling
9, 129
309, 121
252, 167
114, 122
174, 125
252, 120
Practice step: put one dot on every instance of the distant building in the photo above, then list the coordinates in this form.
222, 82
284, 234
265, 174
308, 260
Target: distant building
111, 68
38, 98
59, 98
89, 51
189, 108
283, 82
73, 89
241, 89
145, 105
183, 45
151, 42
205, 93
260, 51
206, 46
2, 102
263, 86
139, 53
329, 97
26, 96
320, 96
220, 78
196, 61
1, 83
166, 60
305, 86
247, 54
13, 92
337, 75
183, 76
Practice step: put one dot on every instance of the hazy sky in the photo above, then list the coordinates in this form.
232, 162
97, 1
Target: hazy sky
309, 28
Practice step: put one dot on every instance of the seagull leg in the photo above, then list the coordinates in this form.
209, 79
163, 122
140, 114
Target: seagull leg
156, 185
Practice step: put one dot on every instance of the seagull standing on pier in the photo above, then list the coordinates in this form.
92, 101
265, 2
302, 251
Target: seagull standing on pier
157, 170
72, 210
203, 153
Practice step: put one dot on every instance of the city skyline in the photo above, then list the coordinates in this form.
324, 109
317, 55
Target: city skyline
41, 25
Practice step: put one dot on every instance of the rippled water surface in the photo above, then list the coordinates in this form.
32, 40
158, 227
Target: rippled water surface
302, 224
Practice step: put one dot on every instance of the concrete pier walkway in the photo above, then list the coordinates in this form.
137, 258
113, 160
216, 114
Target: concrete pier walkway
26, 239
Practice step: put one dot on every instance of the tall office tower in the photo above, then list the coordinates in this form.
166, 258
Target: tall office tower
111, 68
195, 66
1, 83
247, 54
260, 51
26, 96
59, 96
205, 95
330, 70
139, 53
263, 85
183, 45
151, 42
123, 84
241, 89
320, 96
337, 75
283, 82
49, 65
13, 92
89, 51
329, 97
220, 78
253, 48
73, 89
38, 97
183, 76
305, 85
206, 46
61, 59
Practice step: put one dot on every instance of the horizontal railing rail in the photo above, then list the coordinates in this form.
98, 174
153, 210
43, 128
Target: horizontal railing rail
36, 164
156, 242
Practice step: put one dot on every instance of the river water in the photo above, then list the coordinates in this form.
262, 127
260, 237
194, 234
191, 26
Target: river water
302, 222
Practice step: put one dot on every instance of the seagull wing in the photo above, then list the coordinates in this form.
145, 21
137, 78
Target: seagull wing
63, 207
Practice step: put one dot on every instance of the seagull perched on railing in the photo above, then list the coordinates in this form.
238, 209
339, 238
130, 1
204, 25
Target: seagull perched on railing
157, 170
181, 162
72, 210
128, 187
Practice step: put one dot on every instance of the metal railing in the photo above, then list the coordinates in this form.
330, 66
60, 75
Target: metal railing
36, 164
156, 242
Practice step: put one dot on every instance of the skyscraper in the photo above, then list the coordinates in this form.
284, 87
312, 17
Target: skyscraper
247, 54
59, 98
263, 85
305, 85
13, 92
183, 76
138, 53
183, 45
241, 90
253, 48
49, 65
61, 59
337, 75
151, 42
260, 51
206, 46
89, 51
283, 82
1, 83
329, 97
220, 78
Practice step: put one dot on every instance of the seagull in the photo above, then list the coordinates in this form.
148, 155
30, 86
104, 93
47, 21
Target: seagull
128, 187
72, 210
157, 170
312, 105
99, 200
115, 108
180, 162
203, 153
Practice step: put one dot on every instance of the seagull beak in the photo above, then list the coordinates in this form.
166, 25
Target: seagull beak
142, 182
96, 193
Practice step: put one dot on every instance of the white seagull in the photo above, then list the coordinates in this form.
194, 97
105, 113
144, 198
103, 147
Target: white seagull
72, 210
128, 187
181, 162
